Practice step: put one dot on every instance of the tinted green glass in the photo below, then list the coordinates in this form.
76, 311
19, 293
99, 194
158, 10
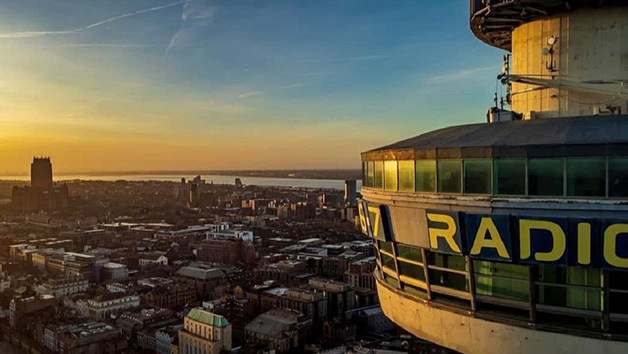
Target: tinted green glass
447, 261
364, 174
510, 176
565, 295
425, 176
370, 173
502, 280
389, 262
477, 176
511, 289
390, 175
415, 291
545, 176
378, 181
411, 270
451, 280
618, 176
501, 269
449, 176
411, 253
586, 177
406, 176
385, 246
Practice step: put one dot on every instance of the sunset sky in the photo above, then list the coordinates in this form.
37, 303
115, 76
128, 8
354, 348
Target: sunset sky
127, 85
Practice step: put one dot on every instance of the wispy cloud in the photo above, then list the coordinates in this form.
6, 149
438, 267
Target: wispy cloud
250, 94
106, 45
30, 34
456, 75
198, 15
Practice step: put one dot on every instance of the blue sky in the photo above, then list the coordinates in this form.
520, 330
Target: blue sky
204, 84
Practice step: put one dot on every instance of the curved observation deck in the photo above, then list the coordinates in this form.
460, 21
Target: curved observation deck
505, 237
493, 21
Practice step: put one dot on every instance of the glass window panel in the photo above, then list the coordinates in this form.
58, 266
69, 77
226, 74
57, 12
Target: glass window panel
511, 289
510, 176
477, 176
449, 176
388, 262
426, 176
501, 269
618, 176
450, 280
411, 270
406, 176
567, 296
586, 177
570, 275
391, 281
364, 174
370, 171
545, 176
447, 261
386, 246
578, 298
411, 253
378, 181
390, 171
415, 291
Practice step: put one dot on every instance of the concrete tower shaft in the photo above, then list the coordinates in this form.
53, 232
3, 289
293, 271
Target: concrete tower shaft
567, 59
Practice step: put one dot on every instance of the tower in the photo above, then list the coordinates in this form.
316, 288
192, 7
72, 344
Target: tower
350, 192
510, 236
41, 173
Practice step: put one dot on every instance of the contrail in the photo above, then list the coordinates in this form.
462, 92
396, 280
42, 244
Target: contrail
31, 34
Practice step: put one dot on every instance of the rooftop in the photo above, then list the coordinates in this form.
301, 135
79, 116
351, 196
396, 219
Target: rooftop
206, 317
574, 136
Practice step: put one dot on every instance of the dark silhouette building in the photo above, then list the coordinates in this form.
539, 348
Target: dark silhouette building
42, 194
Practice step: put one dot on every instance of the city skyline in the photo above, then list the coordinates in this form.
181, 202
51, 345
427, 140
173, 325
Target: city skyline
215, 85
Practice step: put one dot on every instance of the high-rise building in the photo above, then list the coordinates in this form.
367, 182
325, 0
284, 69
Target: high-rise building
204, 332
41, 173
511, 236
350, 192
41, 194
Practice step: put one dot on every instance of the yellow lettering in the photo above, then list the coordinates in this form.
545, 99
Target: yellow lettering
376, 222
584, 243
447, 234
487, 227
559, 241
610, 245
362, 218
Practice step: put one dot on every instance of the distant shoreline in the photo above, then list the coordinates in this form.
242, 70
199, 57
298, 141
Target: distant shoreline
338, 174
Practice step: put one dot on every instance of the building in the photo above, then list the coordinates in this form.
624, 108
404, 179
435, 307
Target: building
60, 287
90, 337
103, 306
152, 259
42, 194
209, 283
277, 329
350, 192
509, 236
161, 292
204, 332
340, 296
360, 273
224, 230
113, 271
225, 251
20, 308
141, 327
165, 337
